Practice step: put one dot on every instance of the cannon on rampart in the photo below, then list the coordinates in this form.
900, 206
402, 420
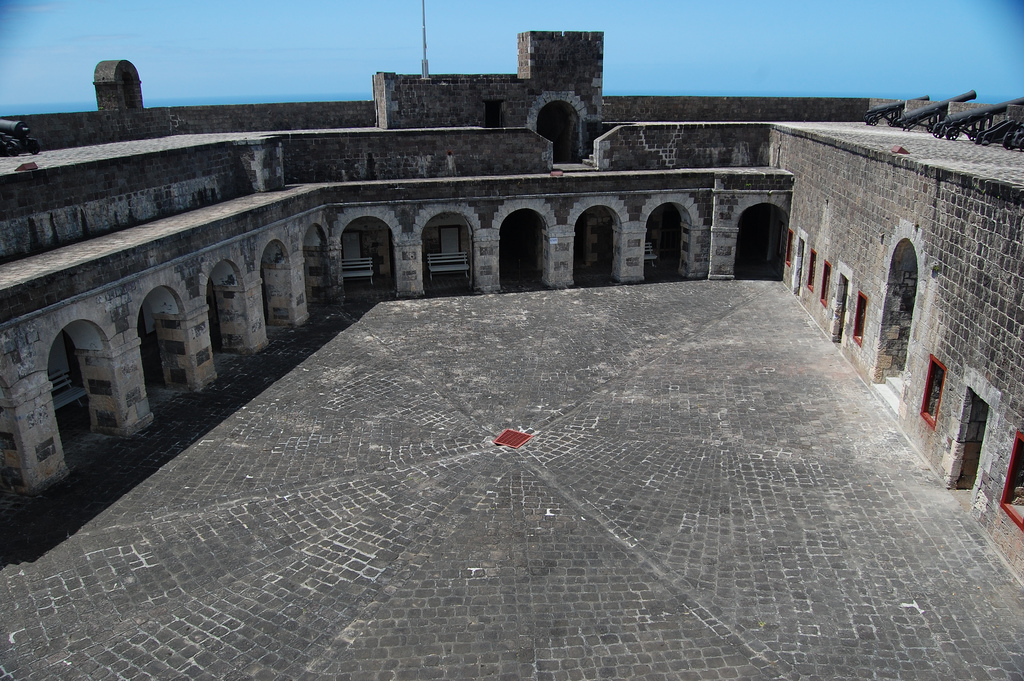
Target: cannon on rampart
890, 112
973, 122
14, 139
930, 114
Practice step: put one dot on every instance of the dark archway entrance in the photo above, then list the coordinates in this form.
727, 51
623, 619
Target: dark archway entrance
559, 123
667, 243
757, 243
898, 312
594, 247
520, 251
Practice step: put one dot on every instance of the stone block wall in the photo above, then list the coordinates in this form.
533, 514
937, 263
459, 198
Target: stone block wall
346, 156
64, 130
658, 146
854, 206
55, 206
633, 109
409, 101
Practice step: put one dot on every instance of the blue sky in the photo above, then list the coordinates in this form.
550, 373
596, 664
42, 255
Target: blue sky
191, 52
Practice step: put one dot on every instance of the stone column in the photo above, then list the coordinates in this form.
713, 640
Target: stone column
628, 252
333, 282
240, 308
33, 458
116, 388
409, 268
486, 277
285, 291
185, 350
698, 258
558, 256
723, 252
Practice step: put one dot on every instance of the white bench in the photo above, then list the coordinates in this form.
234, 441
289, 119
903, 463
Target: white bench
441, 263
649, 254
357, 268
64, 392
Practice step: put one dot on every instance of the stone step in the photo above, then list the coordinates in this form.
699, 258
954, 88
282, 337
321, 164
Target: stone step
890, 392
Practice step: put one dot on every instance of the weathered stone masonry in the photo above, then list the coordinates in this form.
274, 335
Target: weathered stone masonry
202, 242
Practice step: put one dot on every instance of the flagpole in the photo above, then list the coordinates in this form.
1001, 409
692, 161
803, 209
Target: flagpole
426, 70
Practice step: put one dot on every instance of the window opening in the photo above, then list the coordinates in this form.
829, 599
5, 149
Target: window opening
492, 113
1013, 493
933, 390
810, 269
826, 274
858, 318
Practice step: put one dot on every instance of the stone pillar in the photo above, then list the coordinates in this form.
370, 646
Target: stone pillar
558, 255
723, 252
285, 291
185, 350
33, 458
333, 281
317, 275
409, 268
628, 253
116, 388
240, 308
697, 259
486, 276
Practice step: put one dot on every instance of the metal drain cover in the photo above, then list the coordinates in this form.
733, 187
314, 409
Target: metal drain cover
512, 438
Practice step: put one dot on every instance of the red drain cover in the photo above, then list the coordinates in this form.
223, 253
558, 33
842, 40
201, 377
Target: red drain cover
512, 438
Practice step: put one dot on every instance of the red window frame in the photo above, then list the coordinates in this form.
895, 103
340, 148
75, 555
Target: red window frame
810, 269
789, 248
826, 276
859, 317
1016, 512
929, 416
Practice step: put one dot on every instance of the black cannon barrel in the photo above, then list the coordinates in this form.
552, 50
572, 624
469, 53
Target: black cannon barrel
14, 128
972, 115
914, 117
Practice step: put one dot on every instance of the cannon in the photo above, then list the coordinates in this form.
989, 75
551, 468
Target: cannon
931, 114
1015, 138
973, 122
14, 139
890, 112
996, 133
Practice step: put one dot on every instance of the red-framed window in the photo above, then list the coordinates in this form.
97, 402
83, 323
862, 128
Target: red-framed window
859, 315
810, 269
933, 390
1013, 494
789, 248
826, 276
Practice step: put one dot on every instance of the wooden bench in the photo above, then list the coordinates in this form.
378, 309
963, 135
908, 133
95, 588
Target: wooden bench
649, 254
357, 268
441, 263
64, 392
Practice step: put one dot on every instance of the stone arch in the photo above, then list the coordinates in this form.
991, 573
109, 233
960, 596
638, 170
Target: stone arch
117, 85
521, 252
668, 230
759, 242
316, 263
564, 124
157, 338
597, 238
368, 250
448, 233
901, 294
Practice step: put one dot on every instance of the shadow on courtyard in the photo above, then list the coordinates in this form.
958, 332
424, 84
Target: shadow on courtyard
102, 469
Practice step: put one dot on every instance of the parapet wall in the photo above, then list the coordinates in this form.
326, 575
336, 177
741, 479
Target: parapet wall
352, 155
854, 208
64, 130
665, 146
59, 205
652, 109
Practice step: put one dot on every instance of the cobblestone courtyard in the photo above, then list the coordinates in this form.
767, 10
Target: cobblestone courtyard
711, 493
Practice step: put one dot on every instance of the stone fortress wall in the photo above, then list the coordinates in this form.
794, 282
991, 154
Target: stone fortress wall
224, 234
